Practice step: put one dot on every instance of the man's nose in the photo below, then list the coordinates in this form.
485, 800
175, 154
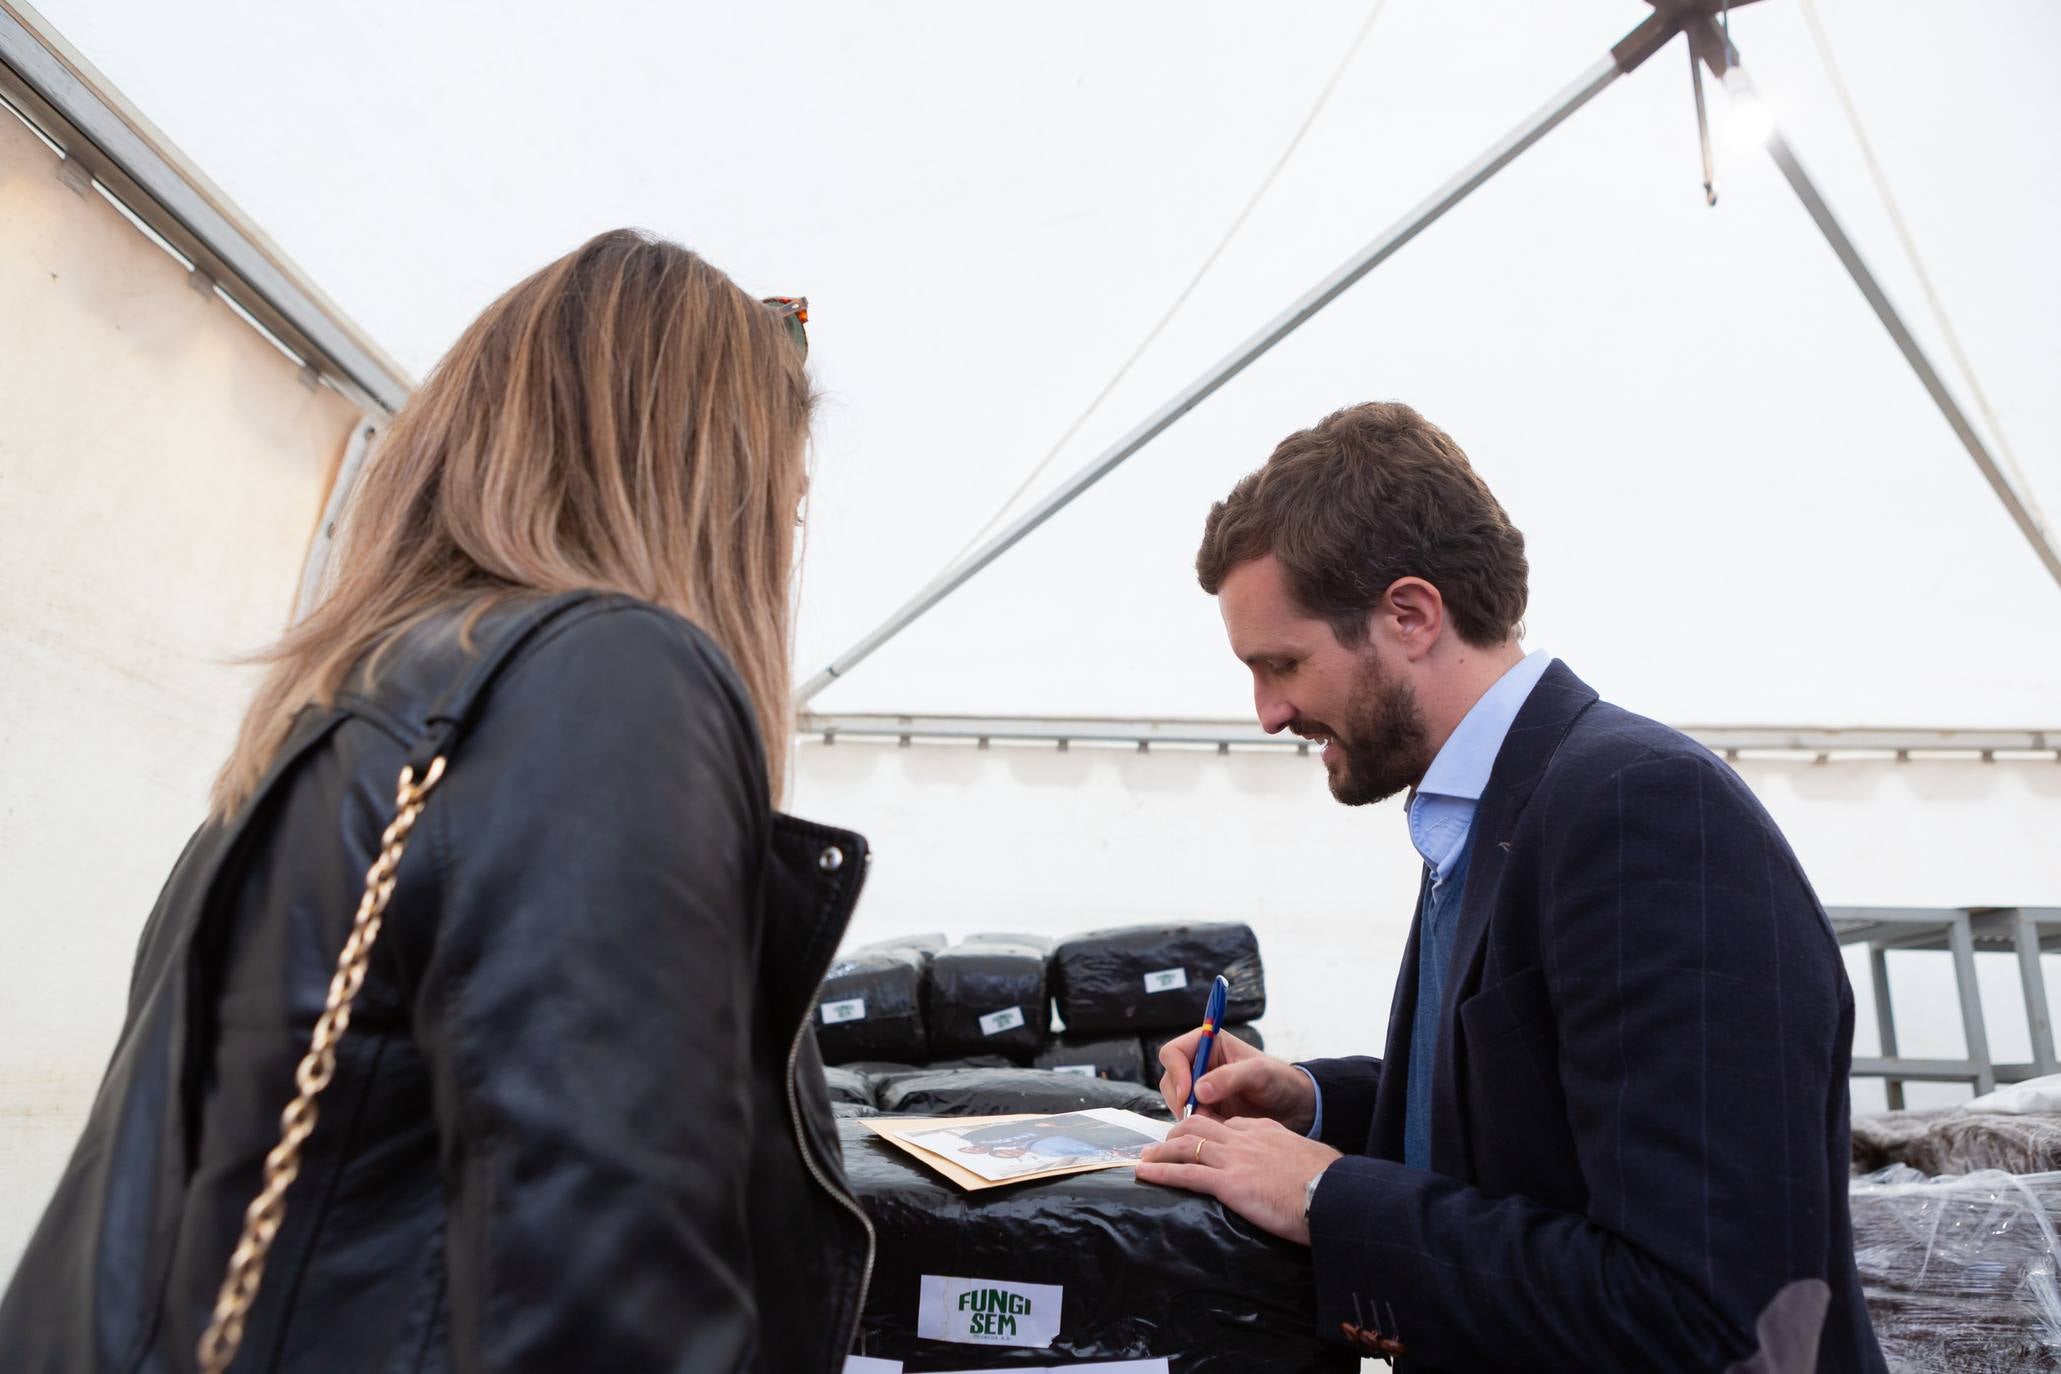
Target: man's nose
1275, 712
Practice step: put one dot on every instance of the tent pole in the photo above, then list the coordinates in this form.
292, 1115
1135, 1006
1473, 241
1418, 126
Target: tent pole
1635, 48
1724, 64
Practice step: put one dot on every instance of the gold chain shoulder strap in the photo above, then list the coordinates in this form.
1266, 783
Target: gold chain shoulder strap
261, 1220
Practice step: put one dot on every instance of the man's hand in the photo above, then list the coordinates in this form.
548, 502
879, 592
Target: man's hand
1259, 1169
1243, 1082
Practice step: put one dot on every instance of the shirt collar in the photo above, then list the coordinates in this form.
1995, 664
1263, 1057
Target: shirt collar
1463, 764
1441, 810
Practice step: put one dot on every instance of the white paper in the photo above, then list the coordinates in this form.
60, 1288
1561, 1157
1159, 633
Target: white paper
995, 1022
866, 1364
988, 1311
1018, 1147
1166, 980
1083, 1070
850, 1009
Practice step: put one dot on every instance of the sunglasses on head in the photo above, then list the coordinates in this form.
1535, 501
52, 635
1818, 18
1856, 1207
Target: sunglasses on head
794, 314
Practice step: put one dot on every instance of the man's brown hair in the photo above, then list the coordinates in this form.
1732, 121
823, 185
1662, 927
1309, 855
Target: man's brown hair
1373, 493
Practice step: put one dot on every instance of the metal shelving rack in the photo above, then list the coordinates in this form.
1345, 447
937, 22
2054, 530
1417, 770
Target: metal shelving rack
1959, 932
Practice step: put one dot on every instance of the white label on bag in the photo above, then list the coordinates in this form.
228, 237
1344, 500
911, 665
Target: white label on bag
988, 1311
866, 1364
850, 1009
1166, 980
1084, 1070
995, 1022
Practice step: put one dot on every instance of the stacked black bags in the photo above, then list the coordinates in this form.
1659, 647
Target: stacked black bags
1002, 1092
1110, 1267
988, 1001
987, 998
1142, 978
871, 1007
1119, 1057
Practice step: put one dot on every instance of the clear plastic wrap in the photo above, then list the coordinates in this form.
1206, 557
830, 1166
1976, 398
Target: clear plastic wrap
1146, 978
1960, 1272
998, 1092
1136, 1271
1958, 1141
987, 998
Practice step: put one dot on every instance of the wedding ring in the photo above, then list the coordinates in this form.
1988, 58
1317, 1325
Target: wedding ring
1199, 1143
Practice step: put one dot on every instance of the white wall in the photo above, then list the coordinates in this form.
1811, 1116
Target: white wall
1026, 837
161, 469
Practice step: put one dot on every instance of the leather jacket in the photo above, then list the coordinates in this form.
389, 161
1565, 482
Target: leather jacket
578, 1119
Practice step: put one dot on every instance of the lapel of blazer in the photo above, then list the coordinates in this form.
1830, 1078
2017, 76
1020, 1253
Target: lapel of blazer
1535, 734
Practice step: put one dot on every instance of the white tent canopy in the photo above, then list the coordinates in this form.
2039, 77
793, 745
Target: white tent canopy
1741, 507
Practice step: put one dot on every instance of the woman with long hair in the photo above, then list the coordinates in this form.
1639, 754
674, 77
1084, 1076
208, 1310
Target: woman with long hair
471, 1031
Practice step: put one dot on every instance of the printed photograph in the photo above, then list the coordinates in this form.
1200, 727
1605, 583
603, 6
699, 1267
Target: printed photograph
1006, 1150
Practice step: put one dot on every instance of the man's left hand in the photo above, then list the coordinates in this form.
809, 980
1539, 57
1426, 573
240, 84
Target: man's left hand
1258, 1168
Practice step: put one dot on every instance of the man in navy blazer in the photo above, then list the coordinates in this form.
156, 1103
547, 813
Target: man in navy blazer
1609, 1130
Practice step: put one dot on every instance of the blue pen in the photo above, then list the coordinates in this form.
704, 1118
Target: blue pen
1212, 1022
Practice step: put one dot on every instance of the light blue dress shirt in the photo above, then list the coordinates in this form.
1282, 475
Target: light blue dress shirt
1441, 810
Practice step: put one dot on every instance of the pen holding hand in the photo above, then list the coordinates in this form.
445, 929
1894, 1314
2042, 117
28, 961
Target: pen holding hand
1212, 1022
1243, 1081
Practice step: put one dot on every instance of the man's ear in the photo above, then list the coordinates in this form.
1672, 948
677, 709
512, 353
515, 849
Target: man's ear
1415, 615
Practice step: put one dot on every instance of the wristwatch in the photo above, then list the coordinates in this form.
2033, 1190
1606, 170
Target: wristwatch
1309, 1196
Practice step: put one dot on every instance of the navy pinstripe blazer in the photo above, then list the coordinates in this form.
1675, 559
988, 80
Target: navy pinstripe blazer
1639, 1113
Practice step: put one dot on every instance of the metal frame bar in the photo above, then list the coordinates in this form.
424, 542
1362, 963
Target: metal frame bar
1950, 929
74, 107
1976, 1033
1885, 1022
1723, 60
1823, 742
1713, 48
1633, 49
314, 572
2039, 1021
2026, 931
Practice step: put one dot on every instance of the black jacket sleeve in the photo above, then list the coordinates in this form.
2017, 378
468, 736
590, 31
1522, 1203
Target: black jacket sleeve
1345, 1094
584, 1009
1695, 989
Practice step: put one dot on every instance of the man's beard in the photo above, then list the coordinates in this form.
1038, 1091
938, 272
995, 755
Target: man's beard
1384, 746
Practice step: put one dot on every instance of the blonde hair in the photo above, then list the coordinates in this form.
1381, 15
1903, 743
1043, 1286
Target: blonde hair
625, 420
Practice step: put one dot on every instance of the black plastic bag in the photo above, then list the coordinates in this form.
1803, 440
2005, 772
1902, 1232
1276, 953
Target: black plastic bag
969, 1061
848, 1111
871, 1007
987, 999
1143, 978
1041, 943
925, 947
1150, 1046
998, 1092
1143, 1271
1113, 1057
847, 1084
